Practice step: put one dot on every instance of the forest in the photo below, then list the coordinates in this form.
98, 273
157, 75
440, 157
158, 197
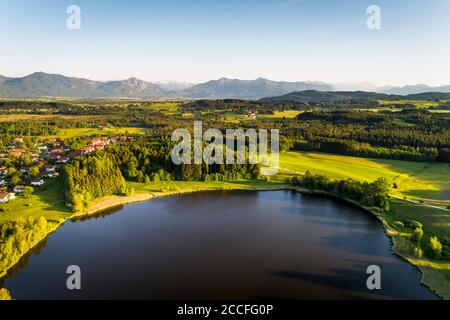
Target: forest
105, 173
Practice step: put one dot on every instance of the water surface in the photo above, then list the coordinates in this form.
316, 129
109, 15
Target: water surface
220, 245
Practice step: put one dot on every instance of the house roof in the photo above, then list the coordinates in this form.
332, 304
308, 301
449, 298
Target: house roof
4, 195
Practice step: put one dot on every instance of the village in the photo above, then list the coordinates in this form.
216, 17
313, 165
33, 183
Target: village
25, 167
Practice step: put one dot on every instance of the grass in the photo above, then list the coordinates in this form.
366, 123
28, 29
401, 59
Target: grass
168, 106
289, 114
160, 188
436, 273
48, 201
415, 180
417, 103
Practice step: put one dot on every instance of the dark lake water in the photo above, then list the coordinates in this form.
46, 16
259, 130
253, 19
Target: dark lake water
220, 245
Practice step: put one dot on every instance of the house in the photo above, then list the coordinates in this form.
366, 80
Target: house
250, 114
50, 168
6, 196
16, 152
87, 150
19, 189
38, 182
57, 150
17, 140
63, 160
50, 174
75, 154
3, 171
24, 170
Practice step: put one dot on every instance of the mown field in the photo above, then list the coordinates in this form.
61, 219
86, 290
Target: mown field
420, 181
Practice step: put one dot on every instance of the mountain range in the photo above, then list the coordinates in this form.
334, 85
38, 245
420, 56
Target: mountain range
313, 95
40, 84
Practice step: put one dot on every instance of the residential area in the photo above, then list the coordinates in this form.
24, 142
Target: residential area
26, 166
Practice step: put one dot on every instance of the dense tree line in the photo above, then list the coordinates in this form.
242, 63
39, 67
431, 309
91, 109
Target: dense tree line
409, 134
361, 149
17, 237
152, 159
91, 177
369, 194
149, 160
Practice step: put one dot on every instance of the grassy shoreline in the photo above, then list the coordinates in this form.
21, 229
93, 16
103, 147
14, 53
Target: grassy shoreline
114, 201
431, 277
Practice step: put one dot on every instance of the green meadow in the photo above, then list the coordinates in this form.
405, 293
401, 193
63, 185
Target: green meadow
428, 182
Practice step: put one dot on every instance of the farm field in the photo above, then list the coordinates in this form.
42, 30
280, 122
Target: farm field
290, 114
78, 132
163, 106
417, 103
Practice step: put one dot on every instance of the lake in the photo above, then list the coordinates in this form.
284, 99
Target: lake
220, 245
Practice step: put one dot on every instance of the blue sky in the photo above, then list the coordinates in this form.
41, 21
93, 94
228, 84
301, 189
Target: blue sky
199, 40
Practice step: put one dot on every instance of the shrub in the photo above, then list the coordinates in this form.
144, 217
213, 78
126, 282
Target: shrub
417, 235
129, 191
399, 224
412, 224
418, 252
28, 191
4, 294
436, 247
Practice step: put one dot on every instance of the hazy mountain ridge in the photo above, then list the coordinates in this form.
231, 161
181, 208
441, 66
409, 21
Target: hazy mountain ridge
175, 85
415, 89
40, 84
313, 95
252, 89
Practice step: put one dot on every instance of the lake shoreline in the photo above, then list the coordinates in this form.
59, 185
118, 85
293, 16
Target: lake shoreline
115, 201
426, 272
